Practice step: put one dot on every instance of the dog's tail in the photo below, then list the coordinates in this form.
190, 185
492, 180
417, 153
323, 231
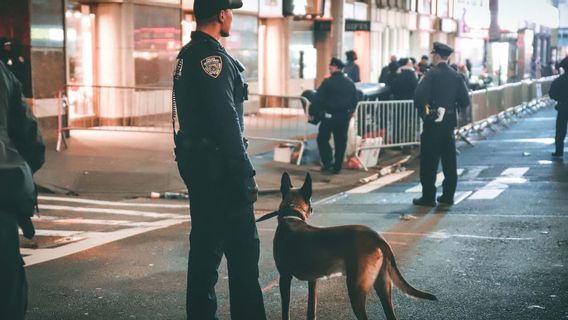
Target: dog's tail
397, 277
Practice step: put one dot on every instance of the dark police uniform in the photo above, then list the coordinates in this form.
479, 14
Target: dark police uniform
441, 87
338, 97
21, 150
209, 91
558, 91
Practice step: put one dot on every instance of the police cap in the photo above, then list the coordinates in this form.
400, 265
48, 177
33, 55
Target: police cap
336, 62
207, 8
442, 49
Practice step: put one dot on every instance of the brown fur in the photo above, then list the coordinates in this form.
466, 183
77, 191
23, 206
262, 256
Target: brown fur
309, 253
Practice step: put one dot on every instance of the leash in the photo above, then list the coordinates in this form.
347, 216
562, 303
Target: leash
268, 216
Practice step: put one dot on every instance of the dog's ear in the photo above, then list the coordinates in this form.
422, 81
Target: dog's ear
285, 184
306, 189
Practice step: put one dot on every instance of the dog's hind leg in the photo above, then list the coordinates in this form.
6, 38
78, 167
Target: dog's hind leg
312, 299
358, 286
285, 282
383, 287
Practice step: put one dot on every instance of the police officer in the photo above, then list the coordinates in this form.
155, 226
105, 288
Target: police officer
439, 95
209, 92
558, 92
337, 95
22, 152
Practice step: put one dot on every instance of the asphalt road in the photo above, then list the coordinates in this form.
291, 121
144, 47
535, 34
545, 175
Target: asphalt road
500, 253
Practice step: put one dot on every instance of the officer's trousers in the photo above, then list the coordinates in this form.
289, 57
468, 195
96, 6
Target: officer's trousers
13, 284
561, 126
438, 144
338, 126
220, 225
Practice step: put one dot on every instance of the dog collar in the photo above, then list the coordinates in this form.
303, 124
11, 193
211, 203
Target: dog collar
293, 218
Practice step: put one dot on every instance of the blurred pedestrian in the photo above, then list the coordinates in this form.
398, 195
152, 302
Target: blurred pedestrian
559, 92
462, 70
351, 68
438, 97
386, 70
209, 92
22, 153
468, 66
405, 80
424, 65
338, 97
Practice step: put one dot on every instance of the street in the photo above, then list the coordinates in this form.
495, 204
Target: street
501, 252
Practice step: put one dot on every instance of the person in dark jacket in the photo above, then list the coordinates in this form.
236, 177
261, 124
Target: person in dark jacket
424, 65
209, 93
351, 68
386, 70
559, 92
404, 81
338, 97
22, 152
438, 97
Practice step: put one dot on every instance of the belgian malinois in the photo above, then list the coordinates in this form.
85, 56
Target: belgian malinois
309, 253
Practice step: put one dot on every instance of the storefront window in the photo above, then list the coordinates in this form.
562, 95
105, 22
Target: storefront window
243, 43
425, 6
303, 55
157, 40
443, 8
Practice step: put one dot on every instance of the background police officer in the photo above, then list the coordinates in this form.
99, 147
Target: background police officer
440, 93
209, 91
22, 152
336, 95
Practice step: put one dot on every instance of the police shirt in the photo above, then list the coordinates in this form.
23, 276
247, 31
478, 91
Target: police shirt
442, 87
209, 93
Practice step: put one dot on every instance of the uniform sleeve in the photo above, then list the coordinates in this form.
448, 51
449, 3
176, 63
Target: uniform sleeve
321, 93
23, 129
554, 91
216, 76
423, 91
462, 97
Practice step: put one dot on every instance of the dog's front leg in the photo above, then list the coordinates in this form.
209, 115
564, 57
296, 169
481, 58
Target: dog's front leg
312, 299
285, 282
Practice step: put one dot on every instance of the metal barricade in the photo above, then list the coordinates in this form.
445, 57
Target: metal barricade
397, 123
278, 119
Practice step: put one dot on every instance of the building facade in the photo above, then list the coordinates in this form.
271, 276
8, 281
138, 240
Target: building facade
285, 45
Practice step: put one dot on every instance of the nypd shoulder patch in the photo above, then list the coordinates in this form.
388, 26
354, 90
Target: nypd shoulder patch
212, 65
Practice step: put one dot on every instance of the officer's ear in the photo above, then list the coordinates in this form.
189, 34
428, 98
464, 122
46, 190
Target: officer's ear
221, 16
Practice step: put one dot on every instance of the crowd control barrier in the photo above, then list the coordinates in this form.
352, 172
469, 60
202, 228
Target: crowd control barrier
383, 124
269, 118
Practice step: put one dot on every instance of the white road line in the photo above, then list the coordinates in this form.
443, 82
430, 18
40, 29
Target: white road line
379, 183
93, 239
55, 233
125, 223
439, 180
473, 172
112, 203
461, 196
111, 211
495, 187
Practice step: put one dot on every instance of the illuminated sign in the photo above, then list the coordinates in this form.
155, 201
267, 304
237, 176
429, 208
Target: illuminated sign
303, 8
357, 25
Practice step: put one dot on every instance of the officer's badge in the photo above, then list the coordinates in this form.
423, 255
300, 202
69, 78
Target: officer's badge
212, 65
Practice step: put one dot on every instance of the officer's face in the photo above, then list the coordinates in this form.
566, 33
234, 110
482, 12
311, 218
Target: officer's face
226, 19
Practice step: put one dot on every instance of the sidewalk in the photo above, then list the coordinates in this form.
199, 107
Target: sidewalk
117, 165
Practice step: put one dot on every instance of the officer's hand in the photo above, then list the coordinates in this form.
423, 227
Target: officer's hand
250, 189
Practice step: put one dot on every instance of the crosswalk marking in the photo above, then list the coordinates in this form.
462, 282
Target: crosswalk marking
379, 183
114, 203
497, 186
91, 231
439, 180
112, 211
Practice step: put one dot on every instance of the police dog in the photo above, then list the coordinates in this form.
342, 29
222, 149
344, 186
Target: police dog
309, 253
